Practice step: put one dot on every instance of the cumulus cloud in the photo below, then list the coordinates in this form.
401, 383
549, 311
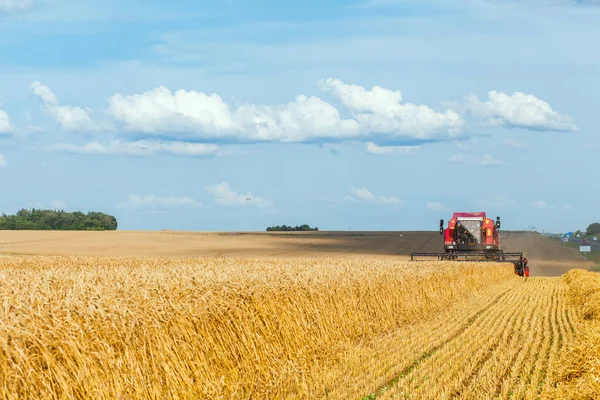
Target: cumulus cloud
2, 161
202, 115
150, 202
485, 160
5, 124
435, 206
68, 117
374, 112
381, 110
375, 149
519, 110
365, 195
140, 148
224, 195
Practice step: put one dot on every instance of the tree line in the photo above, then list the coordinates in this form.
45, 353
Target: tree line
593, 228
58, 220
286, 228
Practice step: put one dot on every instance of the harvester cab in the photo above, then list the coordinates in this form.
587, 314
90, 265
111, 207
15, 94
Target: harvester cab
472, 236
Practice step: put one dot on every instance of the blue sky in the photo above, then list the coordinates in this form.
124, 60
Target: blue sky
238, 115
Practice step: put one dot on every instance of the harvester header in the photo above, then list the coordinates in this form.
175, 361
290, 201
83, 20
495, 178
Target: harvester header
472, 236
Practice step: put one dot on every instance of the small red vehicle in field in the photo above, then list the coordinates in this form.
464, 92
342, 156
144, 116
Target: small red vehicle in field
472, 236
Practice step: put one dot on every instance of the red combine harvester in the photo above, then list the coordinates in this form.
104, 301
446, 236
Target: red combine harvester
472, 236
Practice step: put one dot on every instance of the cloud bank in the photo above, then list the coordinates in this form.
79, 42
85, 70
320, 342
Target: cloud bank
192, 123
519, 110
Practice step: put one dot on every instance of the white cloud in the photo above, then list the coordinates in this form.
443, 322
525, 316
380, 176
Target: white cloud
224, 195
190, 113
515, 144
140, 148
485, 160
567, 206
588, 145
374, 149
69, 117
365, 195
519, 110
435, 206
541, 204
380, 110
2, 161
153, 202
5, 124
202, 115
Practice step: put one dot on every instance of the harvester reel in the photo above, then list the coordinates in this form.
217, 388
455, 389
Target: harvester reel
516, 258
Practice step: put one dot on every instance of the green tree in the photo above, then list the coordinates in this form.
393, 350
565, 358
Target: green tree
286, 228
593, 228
57, 220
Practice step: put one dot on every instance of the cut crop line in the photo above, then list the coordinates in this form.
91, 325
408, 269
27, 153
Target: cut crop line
555, 342
470, 321
537, 344
518, 337
486, 356
559, 333
541, 362
488, 370
450, 355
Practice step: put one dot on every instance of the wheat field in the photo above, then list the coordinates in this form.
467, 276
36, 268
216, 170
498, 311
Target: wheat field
234, 328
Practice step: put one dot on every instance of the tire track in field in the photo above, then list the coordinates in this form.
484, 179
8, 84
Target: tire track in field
505, 350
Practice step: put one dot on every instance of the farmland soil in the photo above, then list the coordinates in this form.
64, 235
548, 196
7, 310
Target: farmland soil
547, 257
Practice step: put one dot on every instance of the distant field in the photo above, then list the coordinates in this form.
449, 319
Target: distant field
547, 257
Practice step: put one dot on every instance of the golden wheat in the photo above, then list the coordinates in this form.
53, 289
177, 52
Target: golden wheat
123, 327
578, 369
504, 350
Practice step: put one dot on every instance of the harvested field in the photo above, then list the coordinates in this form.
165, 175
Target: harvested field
579, 367
505, 349
547, 257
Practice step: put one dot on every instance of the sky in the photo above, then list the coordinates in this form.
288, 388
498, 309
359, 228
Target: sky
345, 115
